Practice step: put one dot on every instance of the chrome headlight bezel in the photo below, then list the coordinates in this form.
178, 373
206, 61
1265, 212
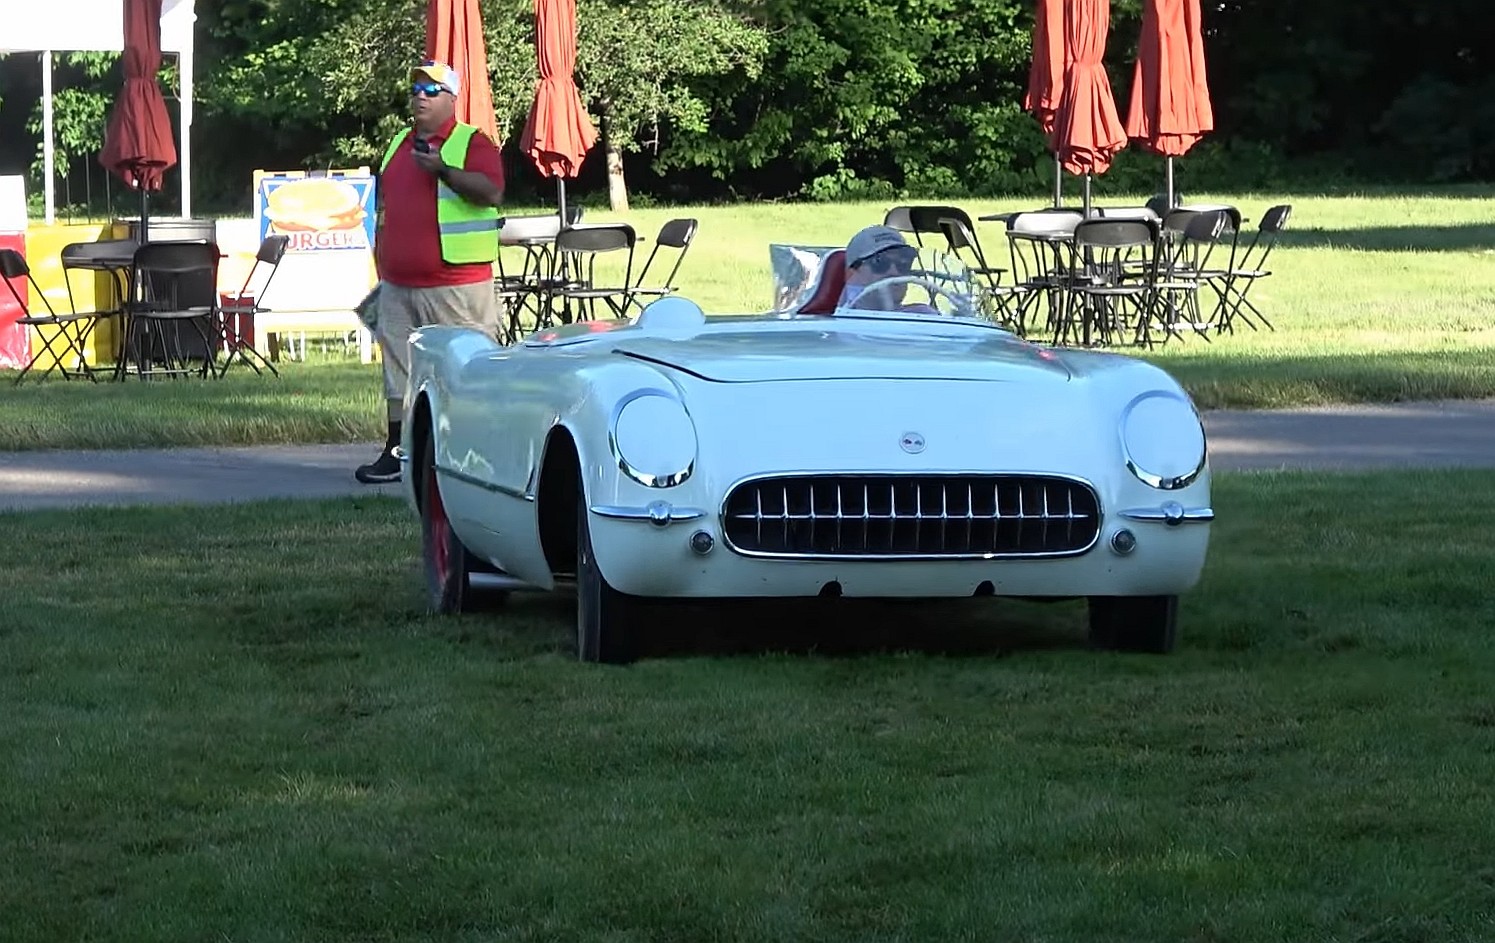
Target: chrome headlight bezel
1151, 477
668, 477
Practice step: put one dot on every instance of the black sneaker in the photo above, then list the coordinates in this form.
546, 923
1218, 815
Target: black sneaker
382, 470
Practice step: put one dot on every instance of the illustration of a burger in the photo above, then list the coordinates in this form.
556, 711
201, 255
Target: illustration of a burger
315, 204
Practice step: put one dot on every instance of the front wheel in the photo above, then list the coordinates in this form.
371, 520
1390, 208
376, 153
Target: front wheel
604, 616
1134, 623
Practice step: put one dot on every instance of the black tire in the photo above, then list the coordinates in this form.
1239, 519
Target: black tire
1134, 623
604, 616
448, 562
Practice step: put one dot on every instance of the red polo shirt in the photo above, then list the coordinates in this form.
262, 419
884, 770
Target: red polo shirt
407, 250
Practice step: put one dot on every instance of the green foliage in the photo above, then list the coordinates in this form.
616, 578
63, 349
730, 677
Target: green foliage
637, 62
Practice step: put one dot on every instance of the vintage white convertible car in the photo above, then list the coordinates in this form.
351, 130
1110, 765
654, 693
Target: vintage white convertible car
904, 446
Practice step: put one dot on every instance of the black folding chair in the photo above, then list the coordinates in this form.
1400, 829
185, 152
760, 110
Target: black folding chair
1112, 280
236, 311
63, 335
171, 310
577, 248
676, 235
1248, 269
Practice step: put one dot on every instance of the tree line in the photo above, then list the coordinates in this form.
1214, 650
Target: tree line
705, 100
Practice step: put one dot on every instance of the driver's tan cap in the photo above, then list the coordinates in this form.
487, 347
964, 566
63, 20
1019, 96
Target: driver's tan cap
872, 240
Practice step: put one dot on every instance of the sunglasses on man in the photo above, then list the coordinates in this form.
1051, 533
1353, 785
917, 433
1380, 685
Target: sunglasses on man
889, 260
428, 89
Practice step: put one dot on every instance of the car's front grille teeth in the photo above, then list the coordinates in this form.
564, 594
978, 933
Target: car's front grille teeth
889, 516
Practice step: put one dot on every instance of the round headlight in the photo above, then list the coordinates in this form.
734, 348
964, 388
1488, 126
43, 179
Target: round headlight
654, 439
1162, 440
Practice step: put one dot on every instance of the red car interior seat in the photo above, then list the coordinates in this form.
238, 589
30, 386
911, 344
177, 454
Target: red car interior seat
828, 290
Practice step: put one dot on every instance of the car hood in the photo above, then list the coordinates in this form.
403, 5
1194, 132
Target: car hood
756, 357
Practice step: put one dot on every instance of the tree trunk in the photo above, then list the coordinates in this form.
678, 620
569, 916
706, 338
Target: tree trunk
617, 186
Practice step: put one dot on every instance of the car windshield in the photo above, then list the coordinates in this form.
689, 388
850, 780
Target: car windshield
916, 281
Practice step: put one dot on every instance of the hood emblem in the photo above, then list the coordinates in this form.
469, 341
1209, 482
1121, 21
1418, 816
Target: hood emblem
911, 442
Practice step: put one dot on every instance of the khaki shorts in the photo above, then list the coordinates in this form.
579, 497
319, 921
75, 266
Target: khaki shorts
402, 310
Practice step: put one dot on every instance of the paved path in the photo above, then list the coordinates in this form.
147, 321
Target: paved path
1411, 435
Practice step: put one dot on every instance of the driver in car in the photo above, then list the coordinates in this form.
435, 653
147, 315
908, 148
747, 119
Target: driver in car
872, 255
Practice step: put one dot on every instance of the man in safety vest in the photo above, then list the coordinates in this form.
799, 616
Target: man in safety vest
440, 183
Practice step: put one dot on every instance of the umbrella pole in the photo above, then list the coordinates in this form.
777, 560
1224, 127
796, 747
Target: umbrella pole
144, 211
560, 199
1058, 182
1087, 195
1170, 183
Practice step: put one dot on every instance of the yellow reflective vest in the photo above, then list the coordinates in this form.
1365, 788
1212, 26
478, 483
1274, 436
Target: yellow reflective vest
469, 233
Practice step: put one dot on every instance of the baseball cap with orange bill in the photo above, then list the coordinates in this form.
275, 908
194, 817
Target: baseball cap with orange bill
438, 73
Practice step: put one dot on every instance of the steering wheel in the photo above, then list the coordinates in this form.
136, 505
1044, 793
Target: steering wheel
961, 304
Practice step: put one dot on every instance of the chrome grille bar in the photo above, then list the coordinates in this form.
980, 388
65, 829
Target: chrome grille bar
884, 516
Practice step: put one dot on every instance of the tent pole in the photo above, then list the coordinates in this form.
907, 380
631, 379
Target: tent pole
48, 189
184, 93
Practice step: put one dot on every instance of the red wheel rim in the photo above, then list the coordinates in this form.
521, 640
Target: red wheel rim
440, 530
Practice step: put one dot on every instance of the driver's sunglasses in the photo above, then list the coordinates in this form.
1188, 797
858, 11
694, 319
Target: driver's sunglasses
428, 89
889, 260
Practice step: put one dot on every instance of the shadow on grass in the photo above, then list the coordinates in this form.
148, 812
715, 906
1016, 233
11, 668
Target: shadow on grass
1219, 378
1461, 237
837, 628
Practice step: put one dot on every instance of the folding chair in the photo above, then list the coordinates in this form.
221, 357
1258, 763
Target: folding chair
172, 285
577, 249
69, 330
1190, 238
677, 234
1103, 285
964, 246
1036, 242
236, 312
1249, 268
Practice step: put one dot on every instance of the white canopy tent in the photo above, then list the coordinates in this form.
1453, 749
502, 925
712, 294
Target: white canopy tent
99, 26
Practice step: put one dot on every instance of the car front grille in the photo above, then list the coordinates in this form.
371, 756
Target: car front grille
906, 516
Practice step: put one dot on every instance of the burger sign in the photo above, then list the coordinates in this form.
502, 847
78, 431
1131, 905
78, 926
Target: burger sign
335, 211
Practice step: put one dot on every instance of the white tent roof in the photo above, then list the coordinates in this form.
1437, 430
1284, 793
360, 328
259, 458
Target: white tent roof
90, 26
99, 26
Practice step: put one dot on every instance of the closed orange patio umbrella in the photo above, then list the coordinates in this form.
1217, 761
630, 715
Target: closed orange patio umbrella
1170, 107
1087, 130
454, 35
138, 144
1046, 73
558, 133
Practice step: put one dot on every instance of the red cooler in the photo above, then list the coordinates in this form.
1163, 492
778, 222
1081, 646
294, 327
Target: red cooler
15, 339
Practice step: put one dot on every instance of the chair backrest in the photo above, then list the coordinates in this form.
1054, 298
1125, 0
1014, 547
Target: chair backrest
1275, 219
611, 237
828, 287
1044, 222
1159, 203
926, 219
13, 264
272, 249
1115, 233
897, 218
584, 244
674, 234
176, 274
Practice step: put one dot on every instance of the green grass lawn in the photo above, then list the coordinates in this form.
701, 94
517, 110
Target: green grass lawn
238, 725
1375, 298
